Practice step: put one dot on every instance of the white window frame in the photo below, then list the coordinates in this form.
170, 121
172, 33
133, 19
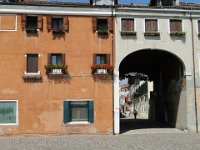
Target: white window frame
128, 18
15, 23
79, 100
36, 73
17, 114
175, 19
158, 23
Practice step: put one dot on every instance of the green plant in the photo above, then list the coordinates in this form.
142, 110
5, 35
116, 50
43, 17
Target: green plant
177, 33
49, 67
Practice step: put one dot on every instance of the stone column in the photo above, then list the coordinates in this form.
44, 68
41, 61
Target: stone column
116, 103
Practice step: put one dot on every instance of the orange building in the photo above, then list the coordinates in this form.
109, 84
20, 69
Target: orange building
47, 84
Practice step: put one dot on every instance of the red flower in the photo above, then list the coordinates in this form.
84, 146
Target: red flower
104, 66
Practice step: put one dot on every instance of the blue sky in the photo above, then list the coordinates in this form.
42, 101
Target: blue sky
129, 1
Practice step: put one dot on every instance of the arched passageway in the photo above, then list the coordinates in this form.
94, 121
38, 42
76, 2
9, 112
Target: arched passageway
167, 102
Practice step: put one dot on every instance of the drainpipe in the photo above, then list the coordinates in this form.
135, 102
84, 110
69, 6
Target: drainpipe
193, 55
113, 60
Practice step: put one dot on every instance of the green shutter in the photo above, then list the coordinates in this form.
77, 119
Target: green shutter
66, 112
91, 112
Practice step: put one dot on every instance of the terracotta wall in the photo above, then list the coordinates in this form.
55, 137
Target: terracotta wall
41, 102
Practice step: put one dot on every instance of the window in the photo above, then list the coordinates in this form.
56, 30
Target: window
175, 25
31, 22
8, 112
56, 64
101, 59
102, 25
56, 59
78, 111
151, 25
127, 25
32, 63
57, 23
198, 24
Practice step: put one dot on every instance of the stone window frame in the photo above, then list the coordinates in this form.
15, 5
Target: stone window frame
15, 23
17, 114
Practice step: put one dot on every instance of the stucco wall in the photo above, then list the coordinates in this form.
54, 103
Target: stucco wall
181, 47
41, 102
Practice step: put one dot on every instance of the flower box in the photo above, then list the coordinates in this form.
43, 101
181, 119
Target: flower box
55, 69
177, 33
31, 30
131, 33
152, 33
102, 32
58, 30
102, 69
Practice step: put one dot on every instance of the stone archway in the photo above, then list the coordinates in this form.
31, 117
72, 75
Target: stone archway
167, 71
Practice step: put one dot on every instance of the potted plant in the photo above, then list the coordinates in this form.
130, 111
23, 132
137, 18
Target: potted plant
102, 68
56, 68
58, 30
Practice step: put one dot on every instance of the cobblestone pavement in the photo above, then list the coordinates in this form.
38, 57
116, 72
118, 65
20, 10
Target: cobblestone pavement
167, 141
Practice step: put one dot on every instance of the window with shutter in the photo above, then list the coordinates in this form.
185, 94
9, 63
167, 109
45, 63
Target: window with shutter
31, 24
78, 111
58, 25
151, 25
127, 25
175, 25
8, 112
32, 63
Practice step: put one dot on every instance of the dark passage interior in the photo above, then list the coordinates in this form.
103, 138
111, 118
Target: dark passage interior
166, 105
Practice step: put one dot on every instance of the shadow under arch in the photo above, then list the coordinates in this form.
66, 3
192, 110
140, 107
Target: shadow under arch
166, 70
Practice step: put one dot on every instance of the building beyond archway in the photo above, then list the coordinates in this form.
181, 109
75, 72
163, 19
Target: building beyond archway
168, 100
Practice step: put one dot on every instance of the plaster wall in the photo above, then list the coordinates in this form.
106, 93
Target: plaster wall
41, 102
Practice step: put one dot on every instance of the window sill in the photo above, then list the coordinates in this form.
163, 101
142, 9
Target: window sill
79, 122
152, 33
128, 33
9, 124
177, 33
32, 76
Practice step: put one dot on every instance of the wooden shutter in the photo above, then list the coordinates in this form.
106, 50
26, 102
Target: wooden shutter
110, 24
124, 25
63, 58
107, 58
66, 112
91, 112
94, 58
154, 25
94, 23
198, 26
178, 25
147, 25
32, 63
39, 22
49, 59
66, 23
49, 22
23, 22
